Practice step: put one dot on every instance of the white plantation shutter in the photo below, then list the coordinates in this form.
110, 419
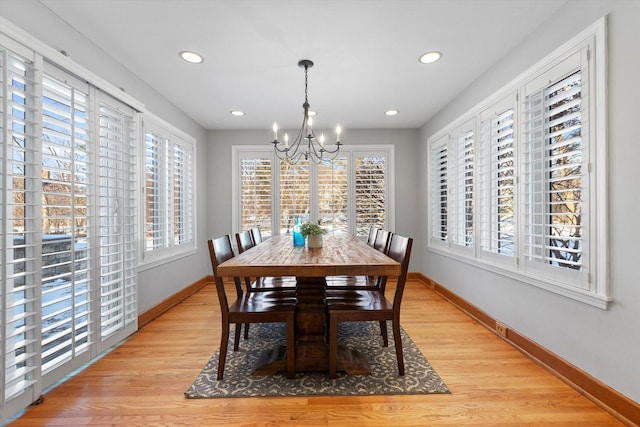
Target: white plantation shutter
371, 192
333, 195
256, 194
66, 232
20, 266
116, 174
439, 166
155, 189
347, 194
294, 194
463, 211
169, 187
553, 174
495, 211
540, 191
181, 161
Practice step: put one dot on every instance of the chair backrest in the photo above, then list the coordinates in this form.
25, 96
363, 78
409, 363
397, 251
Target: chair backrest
257, 235
373, 231
400, 250
382, 241
220, 250
244, 241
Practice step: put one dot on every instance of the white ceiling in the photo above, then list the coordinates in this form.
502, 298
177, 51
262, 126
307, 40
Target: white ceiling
365, 53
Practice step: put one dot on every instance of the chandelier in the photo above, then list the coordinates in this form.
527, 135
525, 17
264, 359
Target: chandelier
305, 143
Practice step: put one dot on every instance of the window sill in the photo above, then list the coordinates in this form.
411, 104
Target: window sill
155, 261
580, 295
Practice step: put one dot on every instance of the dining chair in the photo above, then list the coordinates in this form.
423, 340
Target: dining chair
379, 239
254, 307
245, 242
383, 237
368, 305
256, 235
373, 231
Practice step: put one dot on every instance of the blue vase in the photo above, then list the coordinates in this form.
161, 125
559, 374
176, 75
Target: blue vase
298, 240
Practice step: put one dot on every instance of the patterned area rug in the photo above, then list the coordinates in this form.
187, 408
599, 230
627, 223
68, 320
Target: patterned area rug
419, 378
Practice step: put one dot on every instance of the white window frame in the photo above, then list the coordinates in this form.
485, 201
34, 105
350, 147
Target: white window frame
171, 137
349, 152
591, 285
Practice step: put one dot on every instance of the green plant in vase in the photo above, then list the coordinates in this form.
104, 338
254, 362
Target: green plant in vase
314, 233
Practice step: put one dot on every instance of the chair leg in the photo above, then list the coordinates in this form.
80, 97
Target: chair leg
333, 347
291, 348
246, 331
383, 332
398, 341
236, 339
223, 350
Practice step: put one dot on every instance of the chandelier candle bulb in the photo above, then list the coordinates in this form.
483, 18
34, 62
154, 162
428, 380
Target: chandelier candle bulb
286, 140
275, 131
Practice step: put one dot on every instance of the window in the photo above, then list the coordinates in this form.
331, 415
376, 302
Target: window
496, 182
554, 180
463, 211
21, 244
256, 194
520, 198
69, 271
271, 201
66, 210
294, 194
117, 220
169, 203
439, 191
333, 195
372, 191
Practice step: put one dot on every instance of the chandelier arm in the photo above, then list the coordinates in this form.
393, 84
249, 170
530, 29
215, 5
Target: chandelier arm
313, 147
295, 146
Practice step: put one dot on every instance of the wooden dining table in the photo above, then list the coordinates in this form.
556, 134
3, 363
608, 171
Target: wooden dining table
339, 255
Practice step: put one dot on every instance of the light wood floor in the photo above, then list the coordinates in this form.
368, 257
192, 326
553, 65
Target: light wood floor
142, 382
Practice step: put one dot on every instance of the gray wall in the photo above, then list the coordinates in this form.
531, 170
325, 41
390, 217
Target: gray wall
163, 281
604, 343
407, 165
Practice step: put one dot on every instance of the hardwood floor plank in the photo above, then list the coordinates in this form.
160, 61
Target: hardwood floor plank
141, 382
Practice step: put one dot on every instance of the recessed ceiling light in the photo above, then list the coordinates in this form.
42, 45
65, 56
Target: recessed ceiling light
237, 113
429, 57
391, 112
192, 57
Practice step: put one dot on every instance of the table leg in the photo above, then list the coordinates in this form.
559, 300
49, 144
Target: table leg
312, 349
